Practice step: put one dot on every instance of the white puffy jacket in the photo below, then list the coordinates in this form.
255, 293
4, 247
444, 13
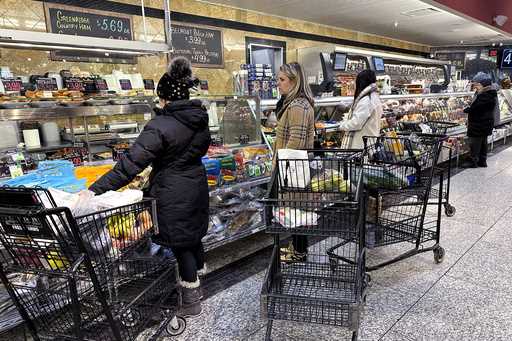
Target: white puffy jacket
363, 119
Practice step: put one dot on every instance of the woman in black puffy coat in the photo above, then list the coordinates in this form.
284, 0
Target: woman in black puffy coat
173, 143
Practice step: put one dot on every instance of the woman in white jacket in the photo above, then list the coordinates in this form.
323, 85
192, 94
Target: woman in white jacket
365, 113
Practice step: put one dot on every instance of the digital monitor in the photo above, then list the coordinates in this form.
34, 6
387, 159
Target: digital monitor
379, 64
340, 61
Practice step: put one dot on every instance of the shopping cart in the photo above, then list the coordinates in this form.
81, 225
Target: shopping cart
398, 174
443, 170
89, 277
318, 196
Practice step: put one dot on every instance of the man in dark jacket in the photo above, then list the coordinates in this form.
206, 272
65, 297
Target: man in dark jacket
173, 143
481, 119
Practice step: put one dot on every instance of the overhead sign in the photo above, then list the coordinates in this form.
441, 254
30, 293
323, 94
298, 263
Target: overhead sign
77, 21
203, 46
506, 59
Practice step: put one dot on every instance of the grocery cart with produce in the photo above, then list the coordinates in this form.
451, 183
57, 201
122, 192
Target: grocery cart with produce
398, 173
79, 275
317, 195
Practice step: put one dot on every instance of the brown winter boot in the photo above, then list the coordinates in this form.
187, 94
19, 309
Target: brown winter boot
190, 299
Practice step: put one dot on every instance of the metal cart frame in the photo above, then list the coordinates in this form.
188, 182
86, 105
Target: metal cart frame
88, 287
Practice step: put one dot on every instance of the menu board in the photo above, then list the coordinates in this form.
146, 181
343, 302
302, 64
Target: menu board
12, 85
46, 84
74, 84
202, 46
125, 84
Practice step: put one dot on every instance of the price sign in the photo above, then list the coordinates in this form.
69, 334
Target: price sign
74, 84
201, 45
46, 84
12, 85
89, 85
125, 84
70, 20
149, 84
506, 59
101, 85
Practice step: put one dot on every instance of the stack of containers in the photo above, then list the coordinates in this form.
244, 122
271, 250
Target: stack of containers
257, 80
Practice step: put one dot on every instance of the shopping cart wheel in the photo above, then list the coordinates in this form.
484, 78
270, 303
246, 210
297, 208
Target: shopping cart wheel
439, 254
176, 326
449, 210
354, 336
131, 317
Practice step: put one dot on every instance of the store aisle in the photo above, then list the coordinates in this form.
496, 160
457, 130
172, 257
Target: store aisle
467, 297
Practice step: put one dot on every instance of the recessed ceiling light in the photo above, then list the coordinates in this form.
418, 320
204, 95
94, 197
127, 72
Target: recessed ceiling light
501, 44
462, 41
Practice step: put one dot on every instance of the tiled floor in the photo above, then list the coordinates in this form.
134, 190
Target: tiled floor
467, 297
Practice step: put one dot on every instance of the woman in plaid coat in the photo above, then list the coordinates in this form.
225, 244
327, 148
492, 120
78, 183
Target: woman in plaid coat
295, 130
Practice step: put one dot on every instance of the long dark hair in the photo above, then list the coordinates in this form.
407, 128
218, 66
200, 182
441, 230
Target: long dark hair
364, 79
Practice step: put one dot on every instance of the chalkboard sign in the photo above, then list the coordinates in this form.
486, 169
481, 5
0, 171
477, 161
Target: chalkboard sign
12, 85
90, 23
202, 46
70, 20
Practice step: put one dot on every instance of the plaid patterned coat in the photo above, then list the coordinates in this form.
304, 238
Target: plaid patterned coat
296, 127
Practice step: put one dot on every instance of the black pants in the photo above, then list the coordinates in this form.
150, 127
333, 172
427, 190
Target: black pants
478, 149
300, 243
190, 259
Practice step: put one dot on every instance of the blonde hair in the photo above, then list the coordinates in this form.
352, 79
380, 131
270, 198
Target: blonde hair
300, 88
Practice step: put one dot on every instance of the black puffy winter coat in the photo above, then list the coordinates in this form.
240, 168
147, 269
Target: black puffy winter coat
481, 112
173, 142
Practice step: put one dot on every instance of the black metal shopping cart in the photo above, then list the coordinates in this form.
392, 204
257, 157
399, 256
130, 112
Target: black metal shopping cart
316, 195
398, 174
443, 169
84, 278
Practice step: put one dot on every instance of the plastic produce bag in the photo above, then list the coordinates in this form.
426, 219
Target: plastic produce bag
294, 169
293, 217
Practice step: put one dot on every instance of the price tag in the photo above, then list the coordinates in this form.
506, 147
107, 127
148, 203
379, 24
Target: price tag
12, 85
74, 84
46, 84
101, 85
15, 171
89, 85
149, 84
125, 84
